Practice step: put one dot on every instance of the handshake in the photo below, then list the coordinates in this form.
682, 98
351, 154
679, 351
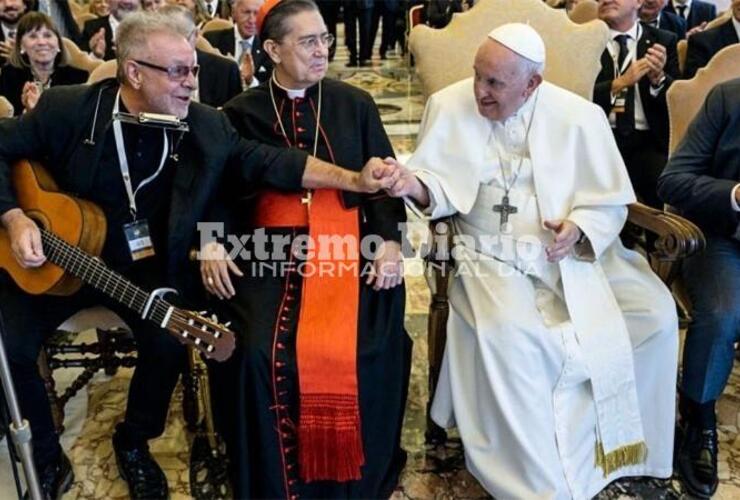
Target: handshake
388, 174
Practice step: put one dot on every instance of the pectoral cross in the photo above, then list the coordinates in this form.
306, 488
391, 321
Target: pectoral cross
504, 209
306, 200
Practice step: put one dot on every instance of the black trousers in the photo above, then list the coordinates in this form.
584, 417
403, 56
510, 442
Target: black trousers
330, 12
645, 159
388, 35
354, 17
29, 319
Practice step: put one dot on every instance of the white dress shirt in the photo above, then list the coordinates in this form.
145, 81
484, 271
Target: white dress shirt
613, 48
238, 53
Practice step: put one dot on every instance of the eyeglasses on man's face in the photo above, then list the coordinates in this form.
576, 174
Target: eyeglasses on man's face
176, 73
311, 43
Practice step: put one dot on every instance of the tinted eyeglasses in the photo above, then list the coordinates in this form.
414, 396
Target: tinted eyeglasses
175, 73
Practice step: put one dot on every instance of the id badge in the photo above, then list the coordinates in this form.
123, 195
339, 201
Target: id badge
138, 239
620, 103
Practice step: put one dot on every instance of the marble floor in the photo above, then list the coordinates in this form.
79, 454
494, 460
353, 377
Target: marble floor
431, 472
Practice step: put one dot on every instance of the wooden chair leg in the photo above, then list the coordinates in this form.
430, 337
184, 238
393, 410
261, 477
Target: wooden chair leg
57, 406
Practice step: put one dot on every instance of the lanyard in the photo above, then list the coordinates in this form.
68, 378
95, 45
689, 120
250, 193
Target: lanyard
123, 161
630, 55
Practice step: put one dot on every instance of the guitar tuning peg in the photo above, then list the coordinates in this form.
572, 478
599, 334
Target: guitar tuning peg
214, 318
227, 324
202, 313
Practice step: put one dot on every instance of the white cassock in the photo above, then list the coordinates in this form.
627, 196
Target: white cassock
545, 362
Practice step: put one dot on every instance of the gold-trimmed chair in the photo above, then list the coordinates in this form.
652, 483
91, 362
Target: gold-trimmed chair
78, 59
584, 11
6, 109
573, 61
105, 70
216, 24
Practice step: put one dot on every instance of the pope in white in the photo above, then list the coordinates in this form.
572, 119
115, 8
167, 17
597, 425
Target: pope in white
561, 356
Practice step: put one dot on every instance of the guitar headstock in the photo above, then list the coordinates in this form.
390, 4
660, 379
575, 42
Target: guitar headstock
213, 339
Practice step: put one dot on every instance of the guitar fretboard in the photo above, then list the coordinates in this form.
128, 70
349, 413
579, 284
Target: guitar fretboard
95, 273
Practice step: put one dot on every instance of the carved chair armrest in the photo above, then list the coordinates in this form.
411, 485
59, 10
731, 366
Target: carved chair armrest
676, 238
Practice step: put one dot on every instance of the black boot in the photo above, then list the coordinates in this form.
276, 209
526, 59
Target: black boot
697, 461
55, 478
139, 469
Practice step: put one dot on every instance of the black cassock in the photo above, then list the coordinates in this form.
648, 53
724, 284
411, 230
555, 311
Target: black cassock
256, 393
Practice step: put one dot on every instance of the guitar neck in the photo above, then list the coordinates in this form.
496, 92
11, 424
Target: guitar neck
92, 271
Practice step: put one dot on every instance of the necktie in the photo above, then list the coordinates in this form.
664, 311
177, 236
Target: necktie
681, 10
625, 119
44, 7
246, 47
11, 34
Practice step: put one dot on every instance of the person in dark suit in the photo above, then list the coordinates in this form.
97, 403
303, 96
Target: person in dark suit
637, 69
696, 12
702, 180
330, 12
72, 132
98, 34
387, 10
218, 78
357, 25
703, 46
38, 61
60, 12
258, 396
232, 42
653, 13
10, 13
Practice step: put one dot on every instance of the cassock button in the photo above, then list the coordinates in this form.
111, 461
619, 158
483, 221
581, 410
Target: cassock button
298, 113
280, 345
301, 129
292, 482
279, 364
280, 378
302, 145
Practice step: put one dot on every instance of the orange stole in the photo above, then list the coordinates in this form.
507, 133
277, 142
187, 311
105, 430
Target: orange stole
329, 429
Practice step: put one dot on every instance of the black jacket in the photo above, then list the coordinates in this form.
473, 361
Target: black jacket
673, 23
700, 12
656, 110
12, 80
352, 133
70, 28
225, 42
218, 79
705, 167
91, 27
67, 129
703, 46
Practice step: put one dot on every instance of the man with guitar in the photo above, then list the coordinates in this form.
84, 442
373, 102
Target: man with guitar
153, 184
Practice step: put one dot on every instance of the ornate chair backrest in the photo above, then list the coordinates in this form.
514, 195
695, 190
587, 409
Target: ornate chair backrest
584, 11
720, 19
79, 59
217, 24
82, 18
6, 109
201, 43
106, 70
685, 97
445, 56
682, 49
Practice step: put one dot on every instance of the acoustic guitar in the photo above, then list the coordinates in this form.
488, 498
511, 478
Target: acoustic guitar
72, 235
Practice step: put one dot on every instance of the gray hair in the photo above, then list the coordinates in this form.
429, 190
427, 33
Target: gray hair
531, 68
136, 29
181, 16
